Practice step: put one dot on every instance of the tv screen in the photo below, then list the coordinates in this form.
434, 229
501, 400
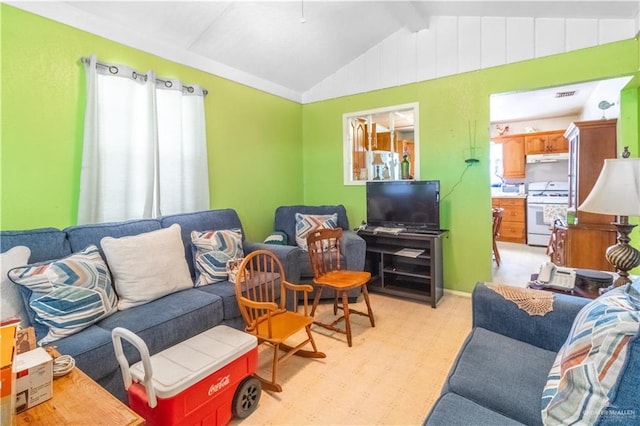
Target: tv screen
404, 204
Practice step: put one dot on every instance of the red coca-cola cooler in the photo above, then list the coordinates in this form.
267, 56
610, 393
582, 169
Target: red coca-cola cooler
206, 379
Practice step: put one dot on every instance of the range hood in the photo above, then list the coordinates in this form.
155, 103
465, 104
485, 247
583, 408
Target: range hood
547, 158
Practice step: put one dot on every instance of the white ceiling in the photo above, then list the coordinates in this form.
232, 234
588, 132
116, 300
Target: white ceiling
552, 102
267, 39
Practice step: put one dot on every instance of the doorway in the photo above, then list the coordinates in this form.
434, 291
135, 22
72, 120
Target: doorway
528, 114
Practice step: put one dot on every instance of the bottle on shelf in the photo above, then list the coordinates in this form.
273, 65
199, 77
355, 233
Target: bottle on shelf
404, 166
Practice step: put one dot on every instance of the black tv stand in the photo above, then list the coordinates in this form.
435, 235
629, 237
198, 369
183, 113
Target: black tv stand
416, 273
425, 231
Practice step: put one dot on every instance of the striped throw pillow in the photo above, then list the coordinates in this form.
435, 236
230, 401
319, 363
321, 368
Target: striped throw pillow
588, 367
305, 223
213, 250
69, 294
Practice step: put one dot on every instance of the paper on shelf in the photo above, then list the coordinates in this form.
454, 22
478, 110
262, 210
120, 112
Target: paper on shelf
408, 252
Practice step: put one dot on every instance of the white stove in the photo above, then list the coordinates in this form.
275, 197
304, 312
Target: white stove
551, 192
546, 202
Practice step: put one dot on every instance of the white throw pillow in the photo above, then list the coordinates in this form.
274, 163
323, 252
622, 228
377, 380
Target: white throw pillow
12, 305
147, 266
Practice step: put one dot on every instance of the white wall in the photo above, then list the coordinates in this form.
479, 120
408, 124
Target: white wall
540, 125
454, 45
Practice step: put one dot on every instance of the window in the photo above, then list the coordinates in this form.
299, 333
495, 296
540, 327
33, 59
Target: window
144, 149
377, 142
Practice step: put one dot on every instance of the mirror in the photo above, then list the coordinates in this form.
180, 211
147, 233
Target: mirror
381, 144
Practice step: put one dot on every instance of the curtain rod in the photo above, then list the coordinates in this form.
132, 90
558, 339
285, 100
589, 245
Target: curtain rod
114, 70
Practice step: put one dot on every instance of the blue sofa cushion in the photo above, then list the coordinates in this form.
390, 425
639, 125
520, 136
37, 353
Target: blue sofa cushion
167, 321
209, 220
453, 410
592, 361
44, 243
92, 350
227, 292
80, 236
69, 294
501, 374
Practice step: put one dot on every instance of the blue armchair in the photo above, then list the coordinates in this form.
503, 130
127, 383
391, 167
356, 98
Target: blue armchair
353, 246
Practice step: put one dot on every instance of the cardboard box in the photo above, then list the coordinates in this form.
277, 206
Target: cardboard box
34, 378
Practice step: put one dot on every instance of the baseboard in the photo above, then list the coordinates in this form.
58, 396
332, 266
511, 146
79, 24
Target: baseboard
457, 293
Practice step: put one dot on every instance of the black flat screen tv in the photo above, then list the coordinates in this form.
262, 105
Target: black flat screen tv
414, 205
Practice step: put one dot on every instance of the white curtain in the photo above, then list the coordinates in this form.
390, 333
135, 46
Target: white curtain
144, 150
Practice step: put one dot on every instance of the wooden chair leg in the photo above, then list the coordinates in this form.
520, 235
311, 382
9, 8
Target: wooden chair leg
496, 253
347, 323
274, 368
316, 299
365, 293
335, 302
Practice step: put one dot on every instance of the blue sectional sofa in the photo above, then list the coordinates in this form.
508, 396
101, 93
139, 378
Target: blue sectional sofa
161, 323
506, 372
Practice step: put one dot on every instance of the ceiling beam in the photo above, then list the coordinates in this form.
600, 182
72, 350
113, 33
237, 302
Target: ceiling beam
409, 14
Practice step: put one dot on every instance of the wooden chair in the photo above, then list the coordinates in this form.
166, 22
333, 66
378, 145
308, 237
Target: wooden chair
261, 291
324, 253
497, 223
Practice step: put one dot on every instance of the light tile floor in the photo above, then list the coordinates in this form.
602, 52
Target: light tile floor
518, 262
394, 372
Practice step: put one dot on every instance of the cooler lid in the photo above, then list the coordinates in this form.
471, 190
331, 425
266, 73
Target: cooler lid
179, 367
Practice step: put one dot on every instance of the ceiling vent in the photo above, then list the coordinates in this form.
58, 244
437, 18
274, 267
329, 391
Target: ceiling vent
565, 94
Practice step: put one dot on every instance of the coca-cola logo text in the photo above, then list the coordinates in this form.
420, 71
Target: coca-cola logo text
224, 381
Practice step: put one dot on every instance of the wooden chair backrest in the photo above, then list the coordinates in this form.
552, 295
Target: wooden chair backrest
260, 279
324, 250
497, 221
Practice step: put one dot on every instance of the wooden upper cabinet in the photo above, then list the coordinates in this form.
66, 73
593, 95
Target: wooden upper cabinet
513, 157
383, 141
546, 142
557, 142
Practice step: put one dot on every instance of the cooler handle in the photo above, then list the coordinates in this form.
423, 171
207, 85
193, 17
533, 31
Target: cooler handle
119, 333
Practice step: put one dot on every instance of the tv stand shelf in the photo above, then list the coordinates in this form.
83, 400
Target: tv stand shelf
418, 278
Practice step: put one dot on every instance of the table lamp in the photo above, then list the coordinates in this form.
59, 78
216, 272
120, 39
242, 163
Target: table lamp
377, 162
617, 192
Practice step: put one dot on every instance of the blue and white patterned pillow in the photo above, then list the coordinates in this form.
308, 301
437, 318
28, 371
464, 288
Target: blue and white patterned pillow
583, 379
305, 223
69, 294
213, 250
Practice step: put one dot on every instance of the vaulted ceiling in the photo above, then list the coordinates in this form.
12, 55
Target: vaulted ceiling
289, 47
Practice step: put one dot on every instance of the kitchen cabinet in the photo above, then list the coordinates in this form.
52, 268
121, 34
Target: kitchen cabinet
589, 235
513, 228
513, 164
546, 142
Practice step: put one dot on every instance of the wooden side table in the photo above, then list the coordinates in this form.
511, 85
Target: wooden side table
77, 399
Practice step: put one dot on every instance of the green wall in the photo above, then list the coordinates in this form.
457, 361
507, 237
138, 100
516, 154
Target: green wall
254, 138
448, 108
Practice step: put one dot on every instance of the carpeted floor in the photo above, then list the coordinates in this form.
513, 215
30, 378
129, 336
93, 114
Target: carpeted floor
391, 375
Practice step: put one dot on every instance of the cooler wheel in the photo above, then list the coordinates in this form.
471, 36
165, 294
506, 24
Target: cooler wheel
247, 396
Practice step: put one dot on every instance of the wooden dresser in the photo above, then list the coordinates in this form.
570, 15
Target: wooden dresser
514, 221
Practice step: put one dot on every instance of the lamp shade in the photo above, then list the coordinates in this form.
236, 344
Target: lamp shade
617, 190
